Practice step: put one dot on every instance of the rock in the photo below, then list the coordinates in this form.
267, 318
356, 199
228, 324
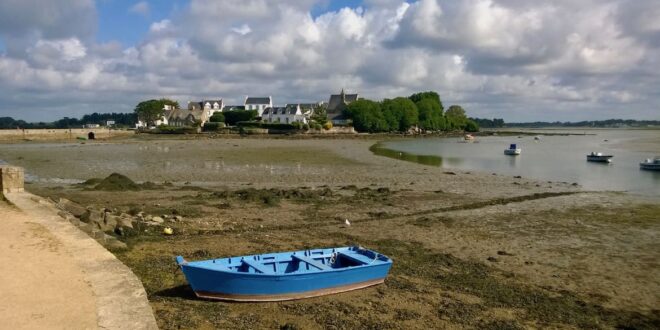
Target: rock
517, 177
125, 222
178, 218
92, 216
75, 209
115, 244
148, 217
87, 228
157, 220
492, 259
111, 221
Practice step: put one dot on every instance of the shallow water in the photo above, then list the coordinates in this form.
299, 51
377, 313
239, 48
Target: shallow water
552, 158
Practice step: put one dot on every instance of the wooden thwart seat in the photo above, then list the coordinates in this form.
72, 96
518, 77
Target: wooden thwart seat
312, 262
259, 267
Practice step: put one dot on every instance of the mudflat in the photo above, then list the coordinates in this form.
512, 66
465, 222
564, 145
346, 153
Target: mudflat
470, 250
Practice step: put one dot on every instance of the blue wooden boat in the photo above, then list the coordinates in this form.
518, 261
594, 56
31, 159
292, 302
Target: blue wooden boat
286, 275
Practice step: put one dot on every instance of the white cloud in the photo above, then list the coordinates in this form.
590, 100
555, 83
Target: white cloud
242, 30
519, 60
141, 8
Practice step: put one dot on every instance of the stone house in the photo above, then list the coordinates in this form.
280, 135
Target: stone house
288, 114
336, 106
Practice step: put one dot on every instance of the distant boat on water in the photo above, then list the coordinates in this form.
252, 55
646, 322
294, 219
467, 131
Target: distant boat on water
468, 137
651, 164
513, 150
286, 275
599, 157
537, 138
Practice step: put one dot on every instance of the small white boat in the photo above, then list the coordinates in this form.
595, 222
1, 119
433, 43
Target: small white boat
599, 157
468, 137
513, 150
651, 164
537, 138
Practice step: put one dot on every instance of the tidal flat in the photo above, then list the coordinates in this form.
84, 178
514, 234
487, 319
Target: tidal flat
470, 250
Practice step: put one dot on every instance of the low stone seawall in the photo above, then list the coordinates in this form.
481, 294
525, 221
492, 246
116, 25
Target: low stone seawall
121, 301
59, 134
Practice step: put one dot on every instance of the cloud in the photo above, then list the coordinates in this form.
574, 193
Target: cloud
515, 59
242, 30
141, 8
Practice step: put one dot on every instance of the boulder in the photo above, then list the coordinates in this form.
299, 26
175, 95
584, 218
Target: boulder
158, 220
115, 244
125, 222
75, 209
92, 216
111, 221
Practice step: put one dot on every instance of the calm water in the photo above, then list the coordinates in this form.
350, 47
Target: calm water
553, 158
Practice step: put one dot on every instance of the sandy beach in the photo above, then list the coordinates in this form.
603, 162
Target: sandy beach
470, 249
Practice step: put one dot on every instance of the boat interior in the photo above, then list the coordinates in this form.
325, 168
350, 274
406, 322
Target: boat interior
305, 261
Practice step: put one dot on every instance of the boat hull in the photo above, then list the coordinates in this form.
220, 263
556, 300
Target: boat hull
599, 159
286, 276
286, 296
649, 167
512, 152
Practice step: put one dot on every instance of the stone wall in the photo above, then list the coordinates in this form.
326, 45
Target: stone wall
59, 134
11, 179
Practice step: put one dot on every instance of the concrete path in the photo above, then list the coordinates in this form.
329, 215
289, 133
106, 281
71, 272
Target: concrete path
55, 276
42, 286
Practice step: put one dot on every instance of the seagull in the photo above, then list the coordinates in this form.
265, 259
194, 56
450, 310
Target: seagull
348, 223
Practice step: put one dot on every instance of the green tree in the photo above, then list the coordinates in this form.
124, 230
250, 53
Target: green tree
425, 96
400, 113
151, 110
217, 117
234, 116
366, 116
430, 115
456, 117
320, 115
471, 126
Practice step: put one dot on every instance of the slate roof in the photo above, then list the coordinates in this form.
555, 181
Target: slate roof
336, 100
234, 107
258, 100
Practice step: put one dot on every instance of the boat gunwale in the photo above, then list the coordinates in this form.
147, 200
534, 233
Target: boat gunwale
226, 270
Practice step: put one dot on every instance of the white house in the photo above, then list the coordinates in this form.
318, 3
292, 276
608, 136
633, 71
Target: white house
288, 114
209, 106
258, 103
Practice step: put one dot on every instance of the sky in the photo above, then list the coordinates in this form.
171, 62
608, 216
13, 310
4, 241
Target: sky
565, 60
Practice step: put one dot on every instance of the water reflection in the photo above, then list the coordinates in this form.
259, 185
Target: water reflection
379, 150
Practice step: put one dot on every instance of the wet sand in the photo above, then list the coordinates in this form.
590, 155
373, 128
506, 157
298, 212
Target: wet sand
470, 250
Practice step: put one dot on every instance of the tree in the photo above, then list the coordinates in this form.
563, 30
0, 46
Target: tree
456, 117
320, 115
217, 117
471, 126
430, 115
433, 96
400, 113
150, 111
234, 116
366, 116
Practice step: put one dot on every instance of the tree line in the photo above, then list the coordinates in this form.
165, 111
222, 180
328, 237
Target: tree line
420, 110
590, 123
120, 119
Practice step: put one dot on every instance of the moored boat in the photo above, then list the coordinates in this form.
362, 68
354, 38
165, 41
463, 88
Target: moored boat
286, 275
468, 137
599, 157
651, 164
513, 150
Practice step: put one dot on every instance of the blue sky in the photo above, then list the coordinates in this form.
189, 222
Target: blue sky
118, 23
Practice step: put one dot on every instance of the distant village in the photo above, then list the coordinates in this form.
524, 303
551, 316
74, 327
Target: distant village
200, 112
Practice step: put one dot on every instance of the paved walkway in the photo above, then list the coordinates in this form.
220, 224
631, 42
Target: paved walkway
42, 286
55, 276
